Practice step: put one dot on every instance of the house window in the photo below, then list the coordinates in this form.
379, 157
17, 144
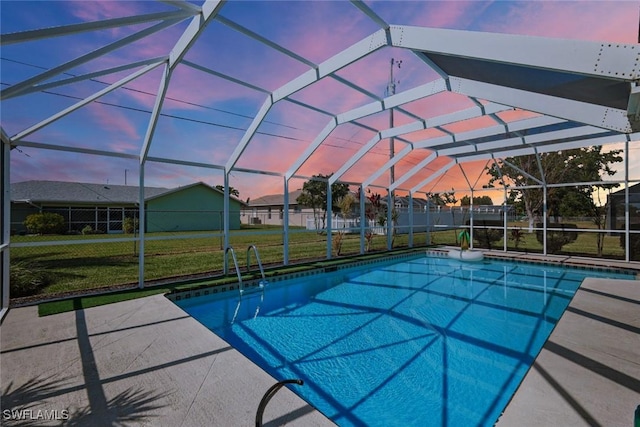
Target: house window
269, 214
281, 214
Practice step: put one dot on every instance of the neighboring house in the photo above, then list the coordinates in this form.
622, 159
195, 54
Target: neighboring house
195, 207
615, 207
269, 210
402, 203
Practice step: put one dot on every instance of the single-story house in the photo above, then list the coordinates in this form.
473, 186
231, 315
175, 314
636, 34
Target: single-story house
105, 208
269, 210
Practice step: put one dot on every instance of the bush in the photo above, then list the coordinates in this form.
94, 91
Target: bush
27, 279
556, 239
87, 230
487, 237
45, 223
130, 225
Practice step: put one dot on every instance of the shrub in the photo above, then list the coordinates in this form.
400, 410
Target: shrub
130, 225
556, 239
87, 230
27, 278
487, 237
45, 223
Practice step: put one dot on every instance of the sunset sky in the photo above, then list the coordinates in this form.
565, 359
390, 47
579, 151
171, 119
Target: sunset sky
205, 116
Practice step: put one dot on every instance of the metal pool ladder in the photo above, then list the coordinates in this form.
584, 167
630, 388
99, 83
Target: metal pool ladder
235, 263
263, 282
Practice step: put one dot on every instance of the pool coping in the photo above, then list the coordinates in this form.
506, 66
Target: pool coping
196, 290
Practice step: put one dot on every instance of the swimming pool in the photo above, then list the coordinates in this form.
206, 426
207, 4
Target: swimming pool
424, 341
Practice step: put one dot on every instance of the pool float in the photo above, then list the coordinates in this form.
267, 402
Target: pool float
467, 255
464, 254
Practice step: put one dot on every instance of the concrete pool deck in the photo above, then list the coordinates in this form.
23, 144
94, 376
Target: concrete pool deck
146, 363
142, 363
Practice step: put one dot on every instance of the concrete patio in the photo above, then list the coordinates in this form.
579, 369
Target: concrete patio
142, 363
145, 362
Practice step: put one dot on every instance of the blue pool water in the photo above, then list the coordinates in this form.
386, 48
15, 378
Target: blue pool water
425, 341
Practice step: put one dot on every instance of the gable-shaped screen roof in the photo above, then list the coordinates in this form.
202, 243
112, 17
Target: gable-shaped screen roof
212, 86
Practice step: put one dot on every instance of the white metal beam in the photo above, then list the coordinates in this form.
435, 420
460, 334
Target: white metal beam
370, 13
433, 176
5, 239
421, 165
198, 23
184, 5
582, 133
582, 112
65, 30
575, 56
311, 148
356, 51
436, 122
253, 127
263, 40
18, 88
155, 114
223, 76
361, 152
64, 82
66, 149
210, 9
84, 102
391, 162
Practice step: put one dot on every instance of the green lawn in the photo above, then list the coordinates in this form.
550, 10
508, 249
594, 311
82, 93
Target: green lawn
98, 264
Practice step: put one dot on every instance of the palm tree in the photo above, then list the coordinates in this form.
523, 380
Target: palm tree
232, 191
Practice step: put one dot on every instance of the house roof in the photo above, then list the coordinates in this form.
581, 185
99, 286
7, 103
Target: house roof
275, 199
633, 189
83, 193
78, 192
195, 184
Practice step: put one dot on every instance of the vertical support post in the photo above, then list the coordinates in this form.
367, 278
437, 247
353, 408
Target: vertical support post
363, 218
225, 220
627, 216
410, 219
6, 225
544, 218
506, 209
389, 221
329, 219
470, 221
285, 219
428, 226
142, 225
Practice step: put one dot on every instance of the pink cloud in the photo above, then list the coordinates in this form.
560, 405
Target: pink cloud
114, 120
609, 21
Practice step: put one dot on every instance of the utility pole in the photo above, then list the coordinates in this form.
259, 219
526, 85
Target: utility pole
391, 90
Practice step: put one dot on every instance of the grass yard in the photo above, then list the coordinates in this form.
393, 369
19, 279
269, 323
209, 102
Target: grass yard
94, 262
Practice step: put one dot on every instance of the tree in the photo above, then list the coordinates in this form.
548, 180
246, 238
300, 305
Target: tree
314, 195
576, 165
442, 199
373, 211
232, 191
345, 203
480, 200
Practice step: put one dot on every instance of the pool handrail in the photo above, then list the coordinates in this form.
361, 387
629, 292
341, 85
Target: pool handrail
235, 262
255, 250
269, 394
